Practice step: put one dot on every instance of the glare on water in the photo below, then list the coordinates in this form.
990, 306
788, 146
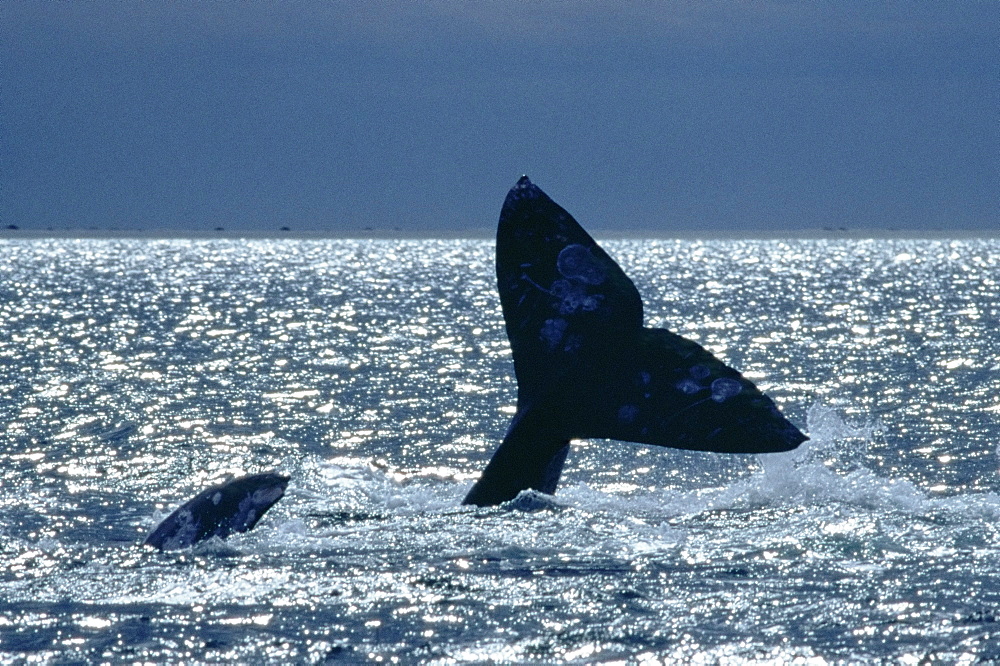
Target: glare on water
377, 374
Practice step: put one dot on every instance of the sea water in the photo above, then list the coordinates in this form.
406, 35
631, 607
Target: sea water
134, 373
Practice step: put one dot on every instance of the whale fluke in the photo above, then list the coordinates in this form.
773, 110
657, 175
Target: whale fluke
586, 368
234, 506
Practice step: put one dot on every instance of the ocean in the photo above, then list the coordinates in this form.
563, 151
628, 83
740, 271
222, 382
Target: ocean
134, 373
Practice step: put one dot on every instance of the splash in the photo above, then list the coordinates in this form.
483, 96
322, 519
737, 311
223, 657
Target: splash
831, 467
825, 424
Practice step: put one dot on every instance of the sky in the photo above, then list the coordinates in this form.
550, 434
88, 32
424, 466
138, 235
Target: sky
416, 117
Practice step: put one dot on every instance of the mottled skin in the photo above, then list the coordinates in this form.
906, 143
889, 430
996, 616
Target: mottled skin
586, 367
219, 511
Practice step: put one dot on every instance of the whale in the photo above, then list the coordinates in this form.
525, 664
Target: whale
219, 511
586, 368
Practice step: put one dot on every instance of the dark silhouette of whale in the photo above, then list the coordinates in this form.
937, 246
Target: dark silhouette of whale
234, 506
586, 368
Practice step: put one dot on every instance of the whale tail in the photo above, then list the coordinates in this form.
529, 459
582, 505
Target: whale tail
234, 506
586, 367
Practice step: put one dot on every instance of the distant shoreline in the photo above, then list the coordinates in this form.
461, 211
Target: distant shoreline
474, 234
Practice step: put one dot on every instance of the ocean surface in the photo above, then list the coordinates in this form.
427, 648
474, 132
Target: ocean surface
378, 375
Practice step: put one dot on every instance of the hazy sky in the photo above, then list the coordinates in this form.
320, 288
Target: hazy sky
652, 116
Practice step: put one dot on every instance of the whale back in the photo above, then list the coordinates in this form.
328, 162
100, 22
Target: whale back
219, 511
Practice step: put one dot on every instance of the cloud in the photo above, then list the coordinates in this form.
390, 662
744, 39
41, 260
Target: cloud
521, 21
738, 112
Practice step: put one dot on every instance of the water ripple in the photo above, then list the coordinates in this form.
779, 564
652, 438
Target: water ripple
378, 374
